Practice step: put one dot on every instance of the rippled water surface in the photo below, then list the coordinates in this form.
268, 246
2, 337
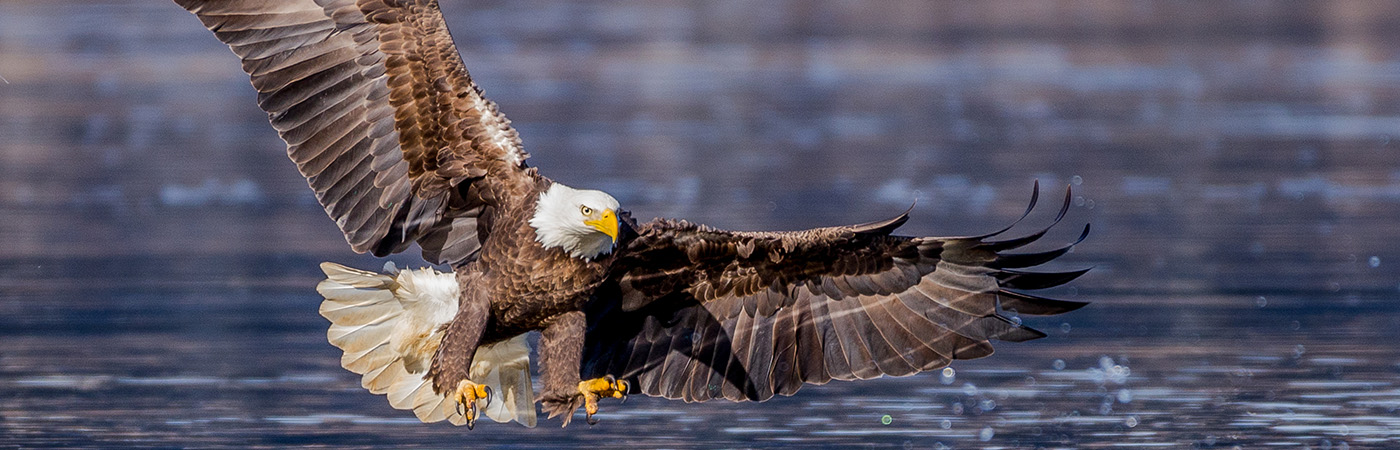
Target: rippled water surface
158, 252
250, 365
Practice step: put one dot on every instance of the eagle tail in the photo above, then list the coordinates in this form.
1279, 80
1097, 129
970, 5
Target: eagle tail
390, 325
505, 366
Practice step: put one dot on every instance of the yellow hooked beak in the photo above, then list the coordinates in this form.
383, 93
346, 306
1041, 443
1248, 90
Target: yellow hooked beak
606, 223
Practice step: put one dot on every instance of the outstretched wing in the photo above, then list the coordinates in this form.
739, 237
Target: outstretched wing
379, 114
706, 313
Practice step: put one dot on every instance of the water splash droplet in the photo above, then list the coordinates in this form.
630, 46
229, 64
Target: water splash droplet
886, 419
945, 424
1261, 302
1064, 327
1374, 262
1131, 422
947, 376
1059, 364
1076, 180
986, 434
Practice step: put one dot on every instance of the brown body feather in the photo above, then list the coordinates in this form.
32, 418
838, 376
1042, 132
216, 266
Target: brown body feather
399, 145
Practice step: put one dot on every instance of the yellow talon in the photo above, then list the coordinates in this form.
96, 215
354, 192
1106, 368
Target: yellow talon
594, 389
467, 394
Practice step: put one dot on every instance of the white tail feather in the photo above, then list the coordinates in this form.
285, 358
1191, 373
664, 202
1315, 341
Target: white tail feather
506, 369
390, 325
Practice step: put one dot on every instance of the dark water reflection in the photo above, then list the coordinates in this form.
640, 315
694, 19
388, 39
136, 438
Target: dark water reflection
158, 252
191, 367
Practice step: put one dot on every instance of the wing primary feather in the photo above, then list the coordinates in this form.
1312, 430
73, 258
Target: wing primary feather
1064, 208
1035, 197
1022, 260
886, 226
1028, 304
979, 328
1036, 280
969, 348
1016, 332
1019, 242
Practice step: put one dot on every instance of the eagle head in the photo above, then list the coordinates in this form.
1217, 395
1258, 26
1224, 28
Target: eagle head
582, 222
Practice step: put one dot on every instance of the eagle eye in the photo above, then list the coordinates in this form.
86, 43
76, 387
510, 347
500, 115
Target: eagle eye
585, 210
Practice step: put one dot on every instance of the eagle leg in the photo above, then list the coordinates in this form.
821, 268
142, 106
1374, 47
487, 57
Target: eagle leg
561, 351
597, 388
467, 394
453, 360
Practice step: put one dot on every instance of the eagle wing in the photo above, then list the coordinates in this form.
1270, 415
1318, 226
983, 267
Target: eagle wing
706, 313
379, 114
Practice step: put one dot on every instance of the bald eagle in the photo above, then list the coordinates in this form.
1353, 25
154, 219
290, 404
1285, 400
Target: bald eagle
400, 147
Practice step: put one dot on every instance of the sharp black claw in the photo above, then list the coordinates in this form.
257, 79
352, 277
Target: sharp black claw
490, 393
591, 421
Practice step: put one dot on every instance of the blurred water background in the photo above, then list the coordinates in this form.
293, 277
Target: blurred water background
158, 251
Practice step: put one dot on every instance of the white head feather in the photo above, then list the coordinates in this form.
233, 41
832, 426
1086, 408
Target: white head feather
560, 217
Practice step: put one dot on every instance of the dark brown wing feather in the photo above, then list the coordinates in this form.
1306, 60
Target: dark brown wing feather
379, 114
696, 313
